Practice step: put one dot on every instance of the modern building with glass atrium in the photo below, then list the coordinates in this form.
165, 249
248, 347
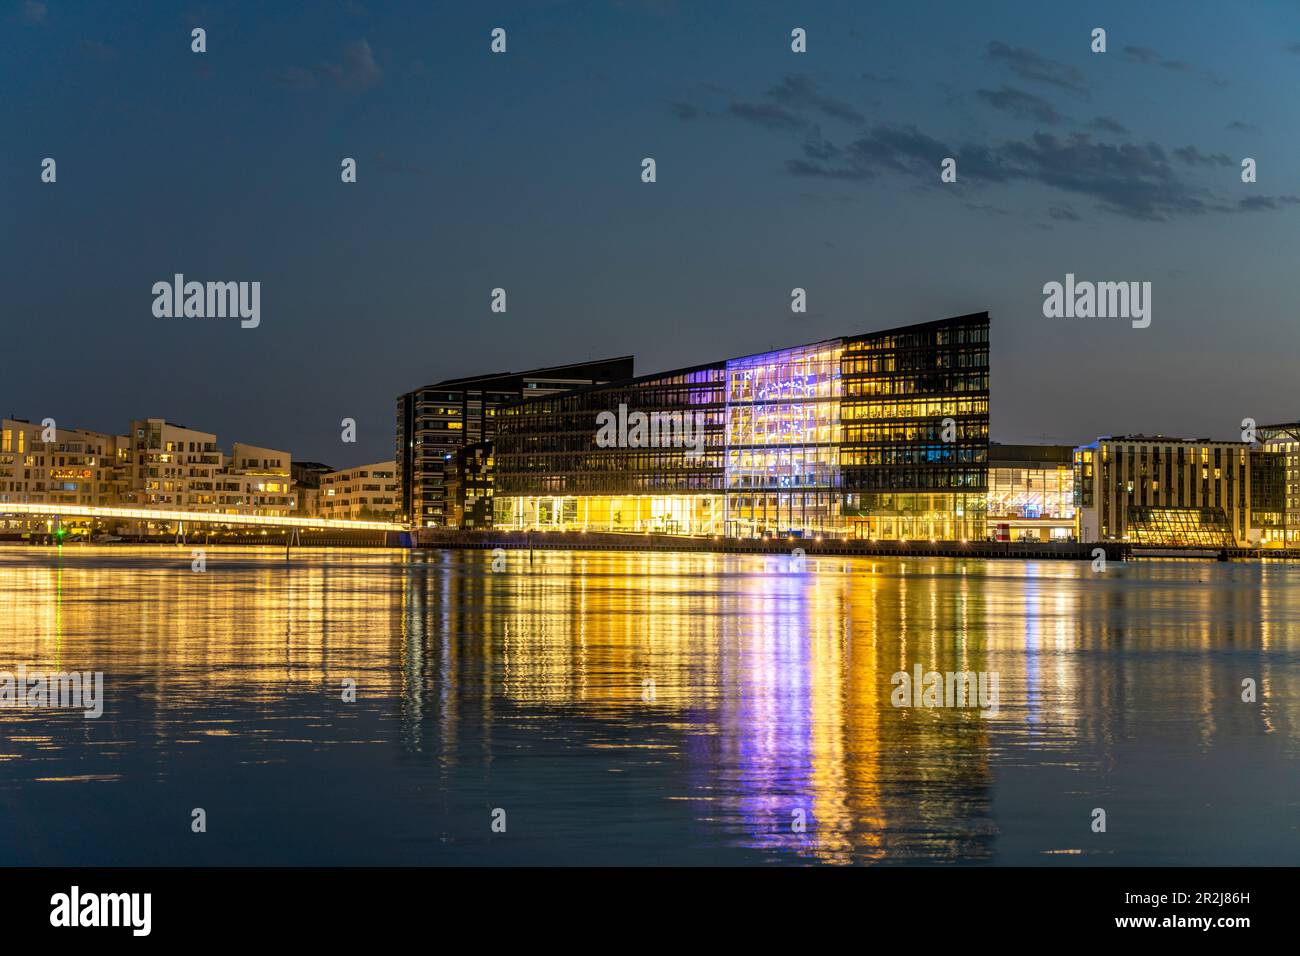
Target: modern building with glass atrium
1173, 492
881, 435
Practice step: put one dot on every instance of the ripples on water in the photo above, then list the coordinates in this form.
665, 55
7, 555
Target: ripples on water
639, 708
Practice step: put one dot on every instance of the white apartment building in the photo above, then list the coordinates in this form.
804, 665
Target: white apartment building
363, 492
78, 467
156, 465
257, 481
171, 466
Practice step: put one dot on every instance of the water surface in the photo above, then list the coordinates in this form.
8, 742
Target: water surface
646, 708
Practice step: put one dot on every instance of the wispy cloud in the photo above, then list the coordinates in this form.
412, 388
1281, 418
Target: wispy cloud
355, 70
1128, 179
767, 115
889, 148
1149, 57
1021, 105
1107, 124
1032, 66
795, 103
1136, 181
1146, 56
1194, 157
1147, 181
1266, 203
799, 93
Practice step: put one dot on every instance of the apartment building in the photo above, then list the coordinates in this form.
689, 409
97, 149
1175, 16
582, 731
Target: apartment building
78, 467
157, 465
365, 492
258, 481
171, 466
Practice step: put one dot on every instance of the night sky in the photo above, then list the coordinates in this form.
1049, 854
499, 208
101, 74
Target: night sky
522, 170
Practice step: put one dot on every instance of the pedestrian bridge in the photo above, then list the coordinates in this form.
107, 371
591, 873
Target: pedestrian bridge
300, 522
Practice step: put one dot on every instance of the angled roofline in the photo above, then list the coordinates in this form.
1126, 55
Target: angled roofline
529, 372
722, 363
1289, 429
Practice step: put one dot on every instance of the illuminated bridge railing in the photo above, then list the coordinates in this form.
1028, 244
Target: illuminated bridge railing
302, 522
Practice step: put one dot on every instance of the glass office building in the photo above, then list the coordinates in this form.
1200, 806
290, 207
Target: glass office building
551, 472
435, 422
916, 431
1031, 492
883, 435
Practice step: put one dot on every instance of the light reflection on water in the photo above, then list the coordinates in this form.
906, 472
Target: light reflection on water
527, 690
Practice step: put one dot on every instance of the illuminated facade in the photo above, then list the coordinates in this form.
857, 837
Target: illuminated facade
1031, 492
256, 481
1180, 527
363, 493
883, 435
553, 474
916, 431
783, 436
1282, 526
155, 466
173, 467
434, 422
78, 468
1171, 492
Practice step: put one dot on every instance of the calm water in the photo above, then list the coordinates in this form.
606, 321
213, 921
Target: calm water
646, 709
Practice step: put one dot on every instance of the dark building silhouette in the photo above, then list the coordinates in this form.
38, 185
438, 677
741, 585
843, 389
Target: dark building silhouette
467, 487
435, 421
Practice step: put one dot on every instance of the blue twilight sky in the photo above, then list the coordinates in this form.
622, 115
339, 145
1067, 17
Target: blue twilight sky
522, 170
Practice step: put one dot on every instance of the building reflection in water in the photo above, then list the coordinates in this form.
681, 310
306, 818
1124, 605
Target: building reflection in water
757, 692
774, 683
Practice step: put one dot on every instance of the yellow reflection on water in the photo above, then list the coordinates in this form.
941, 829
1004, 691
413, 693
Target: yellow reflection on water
765, 690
